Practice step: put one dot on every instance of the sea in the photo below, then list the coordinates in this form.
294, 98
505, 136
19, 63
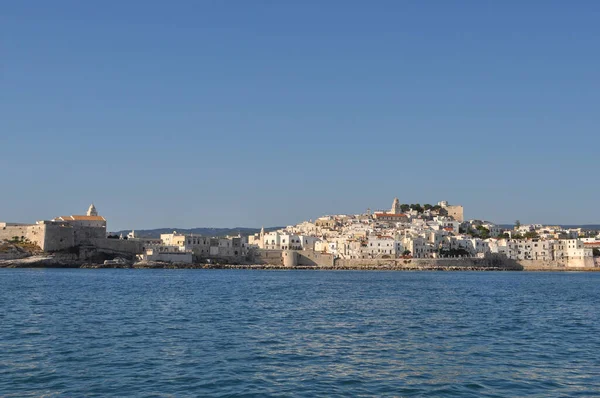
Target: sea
250, 333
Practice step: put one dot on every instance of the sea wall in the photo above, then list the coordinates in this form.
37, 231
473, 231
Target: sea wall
123, 246
575, 263
272, 257
492, 262
307, 258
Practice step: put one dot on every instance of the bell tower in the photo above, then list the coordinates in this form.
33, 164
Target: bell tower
92, 210
396, 207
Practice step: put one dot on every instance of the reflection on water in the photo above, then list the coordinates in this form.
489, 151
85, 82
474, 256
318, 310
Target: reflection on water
300, 333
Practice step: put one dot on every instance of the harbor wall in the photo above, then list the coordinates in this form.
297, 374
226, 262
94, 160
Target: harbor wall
586, 262
131, 247
271, 257
309, 258
492, 262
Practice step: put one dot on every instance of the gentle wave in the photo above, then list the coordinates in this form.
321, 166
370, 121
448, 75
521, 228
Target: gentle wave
298, 333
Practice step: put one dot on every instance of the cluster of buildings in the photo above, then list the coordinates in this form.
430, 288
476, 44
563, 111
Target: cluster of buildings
187, 248
427, 232
404, 231
400, 232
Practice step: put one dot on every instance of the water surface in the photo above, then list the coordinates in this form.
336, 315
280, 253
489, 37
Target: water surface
298, 333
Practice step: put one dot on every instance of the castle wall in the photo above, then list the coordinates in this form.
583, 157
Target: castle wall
85, 235
492, 262
273, 257
118, 245
312, 258
183, 257
8, 232
55, 237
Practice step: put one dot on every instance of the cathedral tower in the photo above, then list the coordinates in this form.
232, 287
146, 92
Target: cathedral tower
396, 207
92, 210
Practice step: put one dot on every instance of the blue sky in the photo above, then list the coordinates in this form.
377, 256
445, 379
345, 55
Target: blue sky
250, 113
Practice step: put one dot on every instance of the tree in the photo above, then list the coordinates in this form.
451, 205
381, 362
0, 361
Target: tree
404, 208
517, 224
406, 253
454, 253
484, 233
532, 235
427, 206
417, 207
596, 252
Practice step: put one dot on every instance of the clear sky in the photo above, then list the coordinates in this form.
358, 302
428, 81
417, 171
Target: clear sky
250, 113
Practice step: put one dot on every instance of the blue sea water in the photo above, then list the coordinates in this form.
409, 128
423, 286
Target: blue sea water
298, 333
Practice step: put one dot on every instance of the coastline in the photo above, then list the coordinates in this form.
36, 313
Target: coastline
52, 262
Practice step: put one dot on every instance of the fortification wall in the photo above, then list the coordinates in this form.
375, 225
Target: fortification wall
272, 257
57, 237
9, 232
491, 262
586, 262
118, 245
294, 258
312, 258
37, 234
309, 258
84, 235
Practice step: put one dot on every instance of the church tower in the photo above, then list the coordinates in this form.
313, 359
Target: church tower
92, 210
396, 207
262, 238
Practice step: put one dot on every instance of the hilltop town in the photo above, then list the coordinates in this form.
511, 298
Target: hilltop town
406, 236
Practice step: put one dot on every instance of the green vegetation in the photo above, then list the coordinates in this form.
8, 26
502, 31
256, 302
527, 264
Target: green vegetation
19, 243
531, 235
596, 252
406, 253
483, 232
417, 207
422, 208
454, 253
517, 224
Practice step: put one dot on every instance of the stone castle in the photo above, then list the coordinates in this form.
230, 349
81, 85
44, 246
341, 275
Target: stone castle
60, 233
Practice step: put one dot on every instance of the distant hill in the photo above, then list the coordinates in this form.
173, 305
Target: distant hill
155, 233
